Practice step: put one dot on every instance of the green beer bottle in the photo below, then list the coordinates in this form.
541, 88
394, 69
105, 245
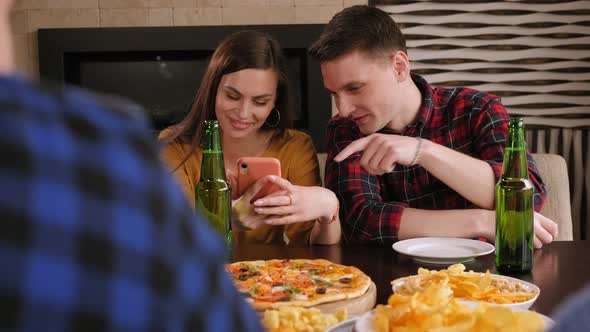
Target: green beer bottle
213, 193
514, 206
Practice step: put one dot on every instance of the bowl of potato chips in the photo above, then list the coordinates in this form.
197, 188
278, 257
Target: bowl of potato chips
472, 288
299, 319
436, 309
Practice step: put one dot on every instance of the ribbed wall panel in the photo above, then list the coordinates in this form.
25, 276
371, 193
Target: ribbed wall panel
535, 55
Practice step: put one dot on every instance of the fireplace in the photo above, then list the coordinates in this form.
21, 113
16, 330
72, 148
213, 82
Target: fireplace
161, 67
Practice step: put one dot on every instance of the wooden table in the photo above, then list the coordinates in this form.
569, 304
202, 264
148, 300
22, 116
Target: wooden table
560, 269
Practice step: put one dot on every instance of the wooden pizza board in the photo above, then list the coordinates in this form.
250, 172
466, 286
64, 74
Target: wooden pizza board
356, 306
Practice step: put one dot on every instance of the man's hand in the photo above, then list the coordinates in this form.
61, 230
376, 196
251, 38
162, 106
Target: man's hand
380, 152
545, 230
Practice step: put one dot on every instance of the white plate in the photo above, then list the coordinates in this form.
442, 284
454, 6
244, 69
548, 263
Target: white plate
363, 323
532, 288
549, 323
443, 250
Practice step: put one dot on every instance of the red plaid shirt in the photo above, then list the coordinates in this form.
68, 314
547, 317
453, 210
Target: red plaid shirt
469, 121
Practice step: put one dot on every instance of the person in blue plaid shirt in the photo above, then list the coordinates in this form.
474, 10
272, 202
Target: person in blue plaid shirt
573, 314
94, 233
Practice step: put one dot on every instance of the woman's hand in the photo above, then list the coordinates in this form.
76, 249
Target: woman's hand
243, 215
296, 204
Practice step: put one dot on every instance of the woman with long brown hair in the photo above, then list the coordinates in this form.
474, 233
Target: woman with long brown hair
245, 88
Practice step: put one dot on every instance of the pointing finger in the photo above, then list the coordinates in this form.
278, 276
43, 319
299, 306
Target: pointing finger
356, 146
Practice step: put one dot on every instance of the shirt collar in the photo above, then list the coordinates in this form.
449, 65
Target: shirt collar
426, 108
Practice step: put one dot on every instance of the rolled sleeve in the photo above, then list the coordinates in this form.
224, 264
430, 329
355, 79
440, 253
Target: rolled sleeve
365, 216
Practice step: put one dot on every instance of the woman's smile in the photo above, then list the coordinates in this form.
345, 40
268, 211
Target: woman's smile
239, 124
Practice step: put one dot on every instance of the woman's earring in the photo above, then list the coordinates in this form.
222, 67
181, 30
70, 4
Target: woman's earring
276, 122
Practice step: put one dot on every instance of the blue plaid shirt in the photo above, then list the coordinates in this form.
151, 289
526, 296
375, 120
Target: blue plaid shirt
94, 234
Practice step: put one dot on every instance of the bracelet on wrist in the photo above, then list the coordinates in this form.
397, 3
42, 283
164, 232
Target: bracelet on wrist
416, 159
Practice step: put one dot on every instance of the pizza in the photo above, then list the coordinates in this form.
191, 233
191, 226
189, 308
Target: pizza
269, 284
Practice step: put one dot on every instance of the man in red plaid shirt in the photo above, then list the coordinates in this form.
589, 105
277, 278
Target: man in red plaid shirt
404, 158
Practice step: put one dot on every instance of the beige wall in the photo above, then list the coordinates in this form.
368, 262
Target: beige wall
30, 15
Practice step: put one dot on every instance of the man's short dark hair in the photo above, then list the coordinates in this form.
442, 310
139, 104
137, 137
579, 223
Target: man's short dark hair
363, 28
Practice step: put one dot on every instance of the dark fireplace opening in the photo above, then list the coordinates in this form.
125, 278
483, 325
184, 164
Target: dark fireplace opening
161, 68
162, 82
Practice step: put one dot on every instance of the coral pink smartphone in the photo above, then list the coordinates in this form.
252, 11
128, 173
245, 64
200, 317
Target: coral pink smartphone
250, 169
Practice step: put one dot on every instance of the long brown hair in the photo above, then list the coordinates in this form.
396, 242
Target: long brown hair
241, 50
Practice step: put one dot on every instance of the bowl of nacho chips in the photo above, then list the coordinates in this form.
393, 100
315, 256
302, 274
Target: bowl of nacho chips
471, 287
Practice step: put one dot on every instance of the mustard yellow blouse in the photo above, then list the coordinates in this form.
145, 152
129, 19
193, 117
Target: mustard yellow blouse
299, 165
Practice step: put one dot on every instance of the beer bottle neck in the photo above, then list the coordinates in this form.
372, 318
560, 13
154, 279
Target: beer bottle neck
212, 166
515, 158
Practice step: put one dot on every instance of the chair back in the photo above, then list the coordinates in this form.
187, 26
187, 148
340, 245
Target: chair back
553, 170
